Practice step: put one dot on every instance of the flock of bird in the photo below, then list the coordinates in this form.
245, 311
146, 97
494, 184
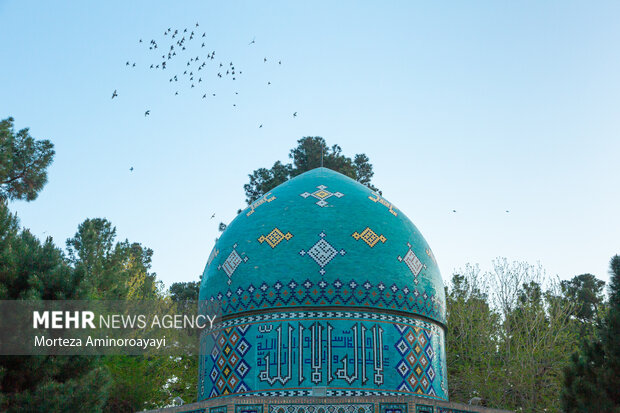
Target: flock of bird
181, 53
189, 69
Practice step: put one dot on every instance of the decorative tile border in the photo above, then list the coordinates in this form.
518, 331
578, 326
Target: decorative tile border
322, 408
393, 408
248, 408
325, 293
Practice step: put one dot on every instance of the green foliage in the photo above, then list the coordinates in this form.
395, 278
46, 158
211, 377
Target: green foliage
586, 292
592, 380
85, 393
509, 334
471, 349
111, 271
185, 291
184, 368
311, 152
32, 271
138, 382
23, 163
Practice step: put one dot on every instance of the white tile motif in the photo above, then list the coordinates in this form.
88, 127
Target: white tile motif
322, 194
322, 252
413, 262
231, 263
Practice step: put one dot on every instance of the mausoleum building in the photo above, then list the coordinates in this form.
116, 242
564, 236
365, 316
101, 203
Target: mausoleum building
331, 301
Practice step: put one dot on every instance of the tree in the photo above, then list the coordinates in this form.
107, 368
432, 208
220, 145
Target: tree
30, 270
311, 152
592, 380
111, 271
586, 291
183, 383
471, 338
23, 163
508, 336
185, 291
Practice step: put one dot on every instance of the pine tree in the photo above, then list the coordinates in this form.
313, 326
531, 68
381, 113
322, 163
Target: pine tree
30, 270
592, 380
610, 337
23, 163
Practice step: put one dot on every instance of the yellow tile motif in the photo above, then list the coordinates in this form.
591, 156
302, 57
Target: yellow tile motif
322, 194
369, 237
274, 237
383, 202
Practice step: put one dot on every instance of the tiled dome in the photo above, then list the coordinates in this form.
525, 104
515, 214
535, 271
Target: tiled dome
325, 289
323, 239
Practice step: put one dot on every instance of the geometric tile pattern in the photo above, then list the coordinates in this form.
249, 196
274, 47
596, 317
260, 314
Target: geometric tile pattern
422, 408
231, 263
417, 364
334, 351
265, 199
248, 408
274, 237
337, 293
369, 237
322, 252
364, 325
322, 408
229, 369
393, 408
214, 253
340, 315
383, 202
218, 409
322, 194
413, 262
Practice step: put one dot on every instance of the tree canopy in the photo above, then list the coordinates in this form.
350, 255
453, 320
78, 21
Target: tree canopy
311, 152
592, 380
23, 162
30, 270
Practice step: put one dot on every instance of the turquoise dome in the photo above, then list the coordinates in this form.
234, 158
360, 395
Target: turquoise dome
323, 239
324, 288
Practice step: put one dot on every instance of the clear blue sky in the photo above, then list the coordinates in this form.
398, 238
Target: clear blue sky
480, 107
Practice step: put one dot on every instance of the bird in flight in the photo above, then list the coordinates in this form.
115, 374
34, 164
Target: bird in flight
253, 41
148, 112
213, 216
454, 210
114, 94
260, 126
131, 169
295, 114
265, 60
